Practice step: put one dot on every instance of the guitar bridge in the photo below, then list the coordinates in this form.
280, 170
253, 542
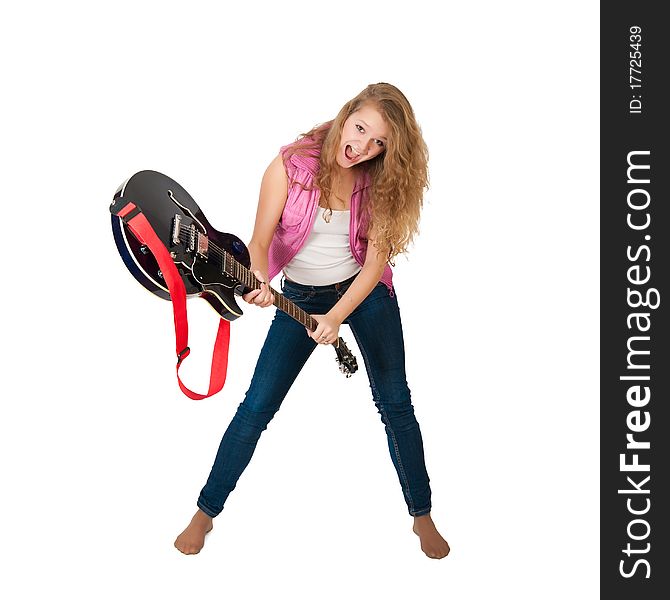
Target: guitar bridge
176, 228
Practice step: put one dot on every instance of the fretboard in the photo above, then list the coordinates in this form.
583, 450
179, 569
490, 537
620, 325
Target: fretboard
247, 278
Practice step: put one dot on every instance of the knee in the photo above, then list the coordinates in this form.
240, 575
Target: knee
251, 421
396, 409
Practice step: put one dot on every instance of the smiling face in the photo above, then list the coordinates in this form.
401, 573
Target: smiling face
364, 136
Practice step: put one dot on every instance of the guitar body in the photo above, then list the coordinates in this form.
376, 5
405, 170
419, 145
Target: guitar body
164, 203
212, 265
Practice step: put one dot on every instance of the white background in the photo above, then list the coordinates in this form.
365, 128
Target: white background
103, 457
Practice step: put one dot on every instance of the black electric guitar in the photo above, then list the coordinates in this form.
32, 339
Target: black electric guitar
212, 265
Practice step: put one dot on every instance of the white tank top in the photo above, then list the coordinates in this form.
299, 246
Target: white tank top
326, 256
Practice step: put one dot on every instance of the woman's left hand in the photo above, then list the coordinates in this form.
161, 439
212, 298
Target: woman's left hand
326, 332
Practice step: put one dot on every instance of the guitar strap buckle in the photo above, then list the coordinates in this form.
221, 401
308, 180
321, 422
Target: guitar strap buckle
183, 354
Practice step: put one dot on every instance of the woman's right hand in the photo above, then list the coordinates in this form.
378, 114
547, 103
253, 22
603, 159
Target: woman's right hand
262, 297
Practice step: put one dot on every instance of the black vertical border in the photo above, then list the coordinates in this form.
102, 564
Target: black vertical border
621, 133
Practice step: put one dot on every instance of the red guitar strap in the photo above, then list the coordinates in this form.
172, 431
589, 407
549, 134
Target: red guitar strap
140, 226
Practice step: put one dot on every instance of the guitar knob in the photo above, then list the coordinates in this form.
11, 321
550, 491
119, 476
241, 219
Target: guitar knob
144, 249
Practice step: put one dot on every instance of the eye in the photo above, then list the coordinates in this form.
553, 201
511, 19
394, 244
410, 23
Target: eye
360, 128
379, 143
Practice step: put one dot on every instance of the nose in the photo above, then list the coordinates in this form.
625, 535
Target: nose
365, 144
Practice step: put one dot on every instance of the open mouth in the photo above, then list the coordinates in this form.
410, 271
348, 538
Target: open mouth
350, 153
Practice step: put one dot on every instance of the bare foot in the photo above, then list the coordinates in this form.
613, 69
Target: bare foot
192, 539
432, 543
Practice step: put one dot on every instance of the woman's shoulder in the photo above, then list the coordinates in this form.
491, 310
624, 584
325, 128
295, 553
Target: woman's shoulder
301, 155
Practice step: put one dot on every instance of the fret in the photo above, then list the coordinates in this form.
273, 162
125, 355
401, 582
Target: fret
246, 277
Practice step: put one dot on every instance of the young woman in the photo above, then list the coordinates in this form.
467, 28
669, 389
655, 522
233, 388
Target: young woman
335, 208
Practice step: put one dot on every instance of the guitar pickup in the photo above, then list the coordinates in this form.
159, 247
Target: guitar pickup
195, 238
203, 244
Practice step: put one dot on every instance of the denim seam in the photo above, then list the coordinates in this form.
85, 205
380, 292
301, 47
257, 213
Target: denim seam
205, 510
420, 512
387, 422
298, 296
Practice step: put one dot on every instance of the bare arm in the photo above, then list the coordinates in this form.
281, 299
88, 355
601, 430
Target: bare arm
274, 190
367, 278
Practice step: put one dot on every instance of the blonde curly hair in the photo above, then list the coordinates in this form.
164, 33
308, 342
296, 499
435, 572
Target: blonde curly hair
399, 175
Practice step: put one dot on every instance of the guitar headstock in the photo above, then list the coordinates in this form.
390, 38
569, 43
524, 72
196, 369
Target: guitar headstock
345, 358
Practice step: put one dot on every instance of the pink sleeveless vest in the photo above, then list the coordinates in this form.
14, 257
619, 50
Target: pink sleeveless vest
301, 209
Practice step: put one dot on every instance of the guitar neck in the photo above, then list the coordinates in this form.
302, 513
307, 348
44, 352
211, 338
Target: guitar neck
246, 277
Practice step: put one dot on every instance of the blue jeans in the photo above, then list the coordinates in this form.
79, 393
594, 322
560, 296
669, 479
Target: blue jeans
378, 331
